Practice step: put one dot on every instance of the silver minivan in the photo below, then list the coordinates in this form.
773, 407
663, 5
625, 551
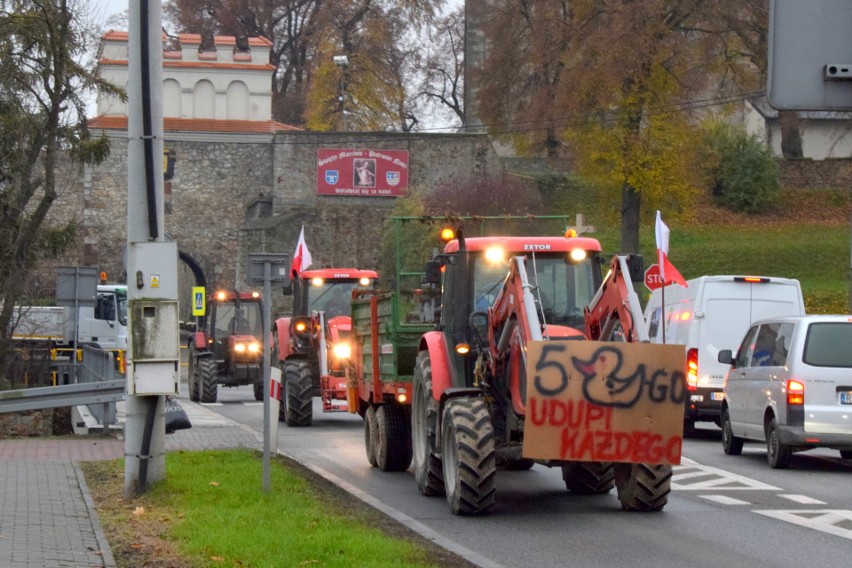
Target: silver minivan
790, 386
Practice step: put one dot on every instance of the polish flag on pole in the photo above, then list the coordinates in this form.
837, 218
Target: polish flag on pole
668, 273
302, 257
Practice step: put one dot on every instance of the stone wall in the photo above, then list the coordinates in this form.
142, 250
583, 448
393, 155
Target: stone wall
816, 174
235, 195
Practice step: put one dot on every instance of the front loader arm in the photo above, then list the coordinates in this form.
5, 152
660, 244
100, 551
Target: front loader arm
616, 305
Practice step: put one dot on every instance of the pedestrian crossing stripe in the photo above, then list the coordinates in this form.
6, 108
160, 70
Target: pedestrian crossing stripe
824, 520
691, 476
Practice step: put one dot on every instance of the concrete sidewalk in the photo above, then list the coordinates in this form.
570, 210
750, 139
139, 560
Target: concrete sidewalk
47, 517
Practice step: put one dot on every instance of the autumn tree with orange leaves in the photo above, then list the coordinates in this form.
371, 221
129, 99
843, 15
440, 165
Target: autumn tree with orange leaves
620, 86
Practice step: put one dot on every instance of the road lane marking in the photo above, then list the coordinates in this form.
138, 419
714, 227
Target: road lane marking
823, 520
724, 500
803, 499
691, 476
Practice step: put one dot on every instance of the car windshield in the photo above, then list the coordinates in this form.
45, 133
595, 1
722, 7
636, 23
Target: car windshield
563, 288
828, 345
333, 298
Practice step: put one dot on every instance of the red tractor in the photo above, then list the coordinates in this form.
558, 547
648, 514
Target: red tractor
500, 297
312, 347
227, 350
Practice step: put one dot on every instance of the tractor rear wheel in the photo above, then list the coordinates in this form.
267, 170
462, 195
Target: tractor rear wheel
207, 374
298, 393
428, 471
588, 478
393, 437
468, 458
643, 487
371, 431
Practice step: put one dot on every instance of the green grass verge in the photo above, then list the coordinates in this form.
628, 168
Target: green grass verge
816, 255
212, 511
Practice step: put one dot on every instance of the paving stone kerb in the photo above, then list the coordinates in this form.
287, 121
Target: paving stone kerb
47, 516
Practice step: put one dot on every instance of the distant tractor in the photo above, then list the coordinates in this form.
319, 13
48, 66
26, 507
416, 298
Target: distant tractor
227, 349
312, 346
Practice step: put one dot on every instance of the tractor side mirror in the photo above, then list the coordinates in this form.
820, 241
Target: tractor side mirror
287, 289
432, 273
636, 266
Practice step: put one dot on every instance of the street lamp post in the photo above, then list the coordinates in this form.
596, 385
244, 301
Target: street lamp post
342, 61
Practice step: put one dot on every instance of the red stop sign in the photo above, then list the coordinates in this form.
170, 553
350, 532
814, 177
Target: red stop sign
653, 280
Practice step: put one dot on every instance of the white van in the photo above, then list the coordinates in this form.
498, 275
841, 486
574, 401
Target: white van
711, 314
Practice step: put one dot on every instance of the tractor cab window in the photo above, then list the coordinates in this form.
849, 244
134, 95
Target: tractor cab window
562, 287
243, 321
333, 298
488, 279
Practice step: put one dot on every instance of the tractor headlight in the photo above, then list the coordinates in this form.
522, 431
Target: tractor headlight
247, 347
342, 350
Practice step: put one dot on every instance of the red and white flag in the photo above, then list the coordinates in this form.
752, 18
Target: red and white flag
302, 257
668, 273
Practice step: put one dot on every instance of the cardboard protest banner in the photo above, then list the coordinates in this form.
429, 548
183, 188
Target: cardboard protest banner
605, 401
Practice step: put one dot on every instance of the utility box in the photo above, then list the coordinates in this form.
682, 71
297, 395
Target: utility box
154, 341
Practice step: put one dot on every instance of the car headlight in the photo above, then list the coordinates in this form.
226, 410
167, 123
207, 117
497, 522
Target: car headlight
342, 350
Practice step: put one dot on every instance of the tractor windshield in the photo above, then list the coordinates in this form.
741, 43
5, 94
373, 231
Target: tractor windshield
332, 297
562, 287
243, 321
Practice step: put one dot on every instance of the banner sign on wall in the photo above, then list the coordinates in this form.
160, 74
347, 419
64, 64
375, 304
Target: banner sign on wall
376, 173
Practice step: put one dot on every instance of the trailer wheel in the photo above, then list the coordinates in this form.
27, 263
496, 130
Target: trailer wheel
428, 470
393, 438
371, 431
207, 374
298, 393
643, 487
468, 456
258, 390
588, 478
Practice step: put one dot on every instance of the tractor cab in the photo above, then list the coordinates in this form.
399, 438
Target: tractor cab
329, 290
228, 350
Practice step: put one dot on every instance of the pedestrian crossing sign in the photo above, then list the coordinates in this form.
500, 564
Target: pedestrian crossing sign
198, 300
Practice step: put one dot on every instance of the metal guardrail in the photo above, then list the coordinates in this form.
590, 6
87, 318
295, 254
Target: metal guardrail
99, 385
62, 395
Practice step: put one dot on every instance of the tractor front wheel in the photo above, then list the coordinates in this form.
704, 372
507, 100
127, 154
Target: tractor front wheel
194, 390
468, 456
643, 487
258, 390
298, 393
207, 385
393, 437
428, 471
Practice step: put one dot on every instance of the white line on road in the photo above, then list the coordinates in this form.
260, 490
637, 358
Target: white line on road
824, 520
803, 499
724, 500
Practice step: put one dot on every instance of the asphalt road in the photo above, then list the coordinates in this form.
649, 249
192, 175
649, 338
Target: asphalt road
723, 510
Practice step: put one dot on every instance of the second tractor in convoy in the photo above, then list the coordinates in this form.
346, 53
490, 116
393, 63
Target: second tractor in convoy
312, 346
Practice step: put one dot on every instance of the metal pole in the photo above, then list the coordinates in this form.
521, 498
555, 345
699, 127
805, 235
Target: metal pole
144, 447
267, 348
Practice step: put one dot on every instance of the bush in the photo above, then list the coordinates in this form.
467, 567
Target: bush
743, 173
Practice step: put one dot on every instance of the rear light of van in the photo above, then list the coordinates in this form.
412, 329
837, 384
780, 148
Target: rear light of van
692, 369
795, 392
